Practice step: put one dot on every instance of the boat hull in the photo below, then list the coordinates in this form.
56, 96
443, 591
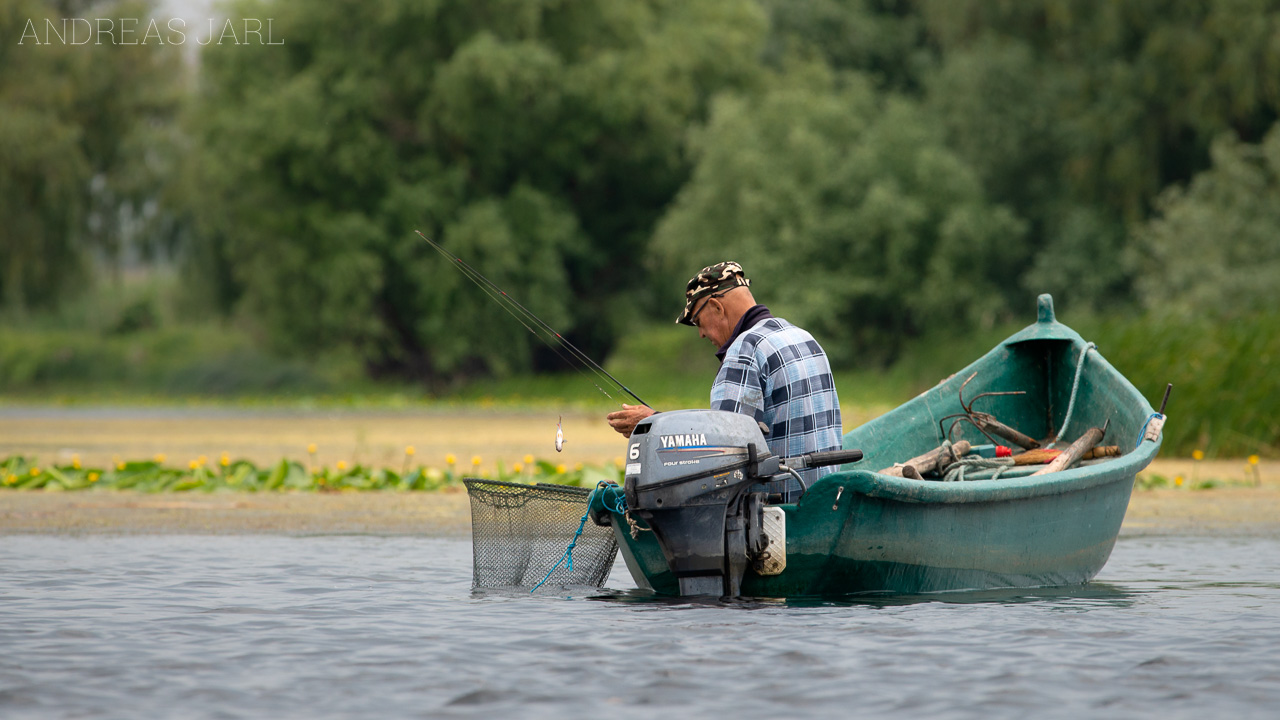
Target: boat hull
860, 543
861, 531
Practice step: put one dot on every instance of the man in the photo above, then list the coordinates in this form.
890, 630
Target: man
769, 369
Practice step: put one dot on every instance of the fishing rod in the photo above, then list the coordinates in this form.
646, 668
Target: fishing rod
508, 303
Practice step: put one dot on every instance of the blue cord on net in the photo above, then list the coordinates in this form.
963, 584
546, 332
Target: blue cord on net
620, 506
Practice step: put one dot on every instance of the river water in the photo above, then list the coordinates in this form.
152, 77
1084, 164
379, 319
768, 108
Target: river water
376, 627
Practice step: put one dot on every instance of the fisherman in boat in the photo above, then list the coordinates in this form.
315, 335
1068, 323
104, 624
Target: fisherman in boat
769, 369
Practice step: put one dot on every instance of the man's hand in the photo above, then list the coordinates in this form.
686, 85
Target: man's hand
624, 420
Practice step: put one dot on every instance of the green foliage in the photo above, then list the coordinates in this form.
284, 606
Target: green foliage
1151, 481
1226, 394
883, 39
20, 473
185, 361
86, 147
43, 168
837, 200
1214, 246
1080, 113
899, 176
538, 141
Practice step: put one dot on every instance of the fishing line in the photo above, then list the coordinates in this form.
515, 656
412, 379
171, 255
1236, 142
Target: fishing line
499, 295
582, 357
475, 277
535, 333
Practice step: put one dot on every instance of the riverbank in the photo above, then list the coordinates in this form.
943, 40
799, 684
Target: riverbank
99, 437
437, 514
1220, 511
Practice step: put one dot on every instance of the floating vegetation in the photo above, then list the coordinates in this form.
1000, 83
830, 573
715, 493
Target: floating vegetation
154, 476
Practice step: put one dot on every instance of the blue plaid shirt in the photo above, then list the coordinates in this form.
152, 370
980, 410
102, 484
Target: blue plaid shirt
778, 374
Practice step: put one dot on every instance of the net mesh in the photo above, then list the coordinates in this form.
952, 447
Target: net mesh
519, 532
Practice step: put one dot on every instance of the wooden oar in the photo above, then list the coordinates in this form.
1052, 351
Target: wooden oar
1073, 454
1041, 456
934, 460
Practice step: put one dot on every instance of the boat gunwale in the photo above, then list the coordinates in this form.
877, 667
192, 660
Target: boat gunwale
875, 484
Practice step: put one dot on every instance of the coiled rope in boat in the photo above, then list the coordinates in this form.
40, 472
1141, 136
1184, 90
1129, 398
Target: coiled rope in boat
956, 471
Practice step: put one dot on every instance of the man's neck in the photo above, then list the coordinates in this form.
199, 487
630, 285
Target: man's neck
753, 316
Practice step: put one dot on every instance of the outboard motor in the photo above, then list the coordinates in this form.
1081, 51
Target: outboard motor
689, 475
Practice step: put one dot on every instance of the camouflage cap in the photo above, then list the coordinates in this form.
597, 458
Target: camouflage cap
710, 280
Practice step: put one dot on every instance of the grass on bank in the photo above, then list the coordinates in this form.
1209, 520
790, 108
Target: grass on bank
1225, 402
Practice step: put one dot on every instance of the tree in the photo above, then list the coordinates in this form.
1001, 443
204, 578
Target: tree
1078, 114
539, 141
1213, 248
83, 149
848, 211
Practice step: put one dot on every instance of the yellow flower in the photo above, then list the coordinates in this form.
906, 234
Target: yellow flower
1253, 459
203, 459
518, 467
1177, 481
342, 465
11, 480
93, 477
35, 471
409, 450
1197, 454
561, 468
225, 460
528, 459
120, 465
311, 448
193, 464
450, 459
475, 459
578, 467
159, 457
75, 461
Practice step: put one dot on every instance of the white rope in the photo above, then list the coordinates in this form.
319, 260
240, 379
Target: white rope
956, 472
1075, 387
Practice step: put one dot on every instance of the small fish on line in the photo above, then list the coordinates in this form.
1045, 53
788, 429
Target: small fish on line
560, 434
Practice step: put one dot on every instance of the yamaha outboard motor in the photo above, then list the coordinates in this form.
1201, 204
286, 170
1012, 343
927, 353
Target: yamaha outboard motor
690, 475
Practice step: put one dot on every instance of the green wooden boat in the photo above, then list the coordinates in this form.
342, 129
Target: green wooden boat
862, 531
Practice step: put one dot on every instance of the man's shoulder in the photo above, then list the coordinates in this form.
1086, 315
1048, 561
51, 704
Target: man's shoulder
749, 341
777, 332
769, 337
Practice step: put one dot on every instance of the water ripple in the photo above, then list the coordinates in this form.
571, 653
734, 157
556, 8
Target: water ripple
320, 627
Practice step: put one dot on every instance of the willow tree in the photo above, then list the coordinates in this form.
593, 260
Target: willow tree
539, 141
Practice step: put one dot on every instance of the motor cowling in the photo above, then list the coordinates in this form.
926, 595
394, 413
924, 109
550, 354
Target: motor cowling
688, 476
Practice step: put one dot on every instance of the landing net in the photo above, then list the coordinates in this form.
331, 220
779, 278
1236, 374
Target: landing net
519, 532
